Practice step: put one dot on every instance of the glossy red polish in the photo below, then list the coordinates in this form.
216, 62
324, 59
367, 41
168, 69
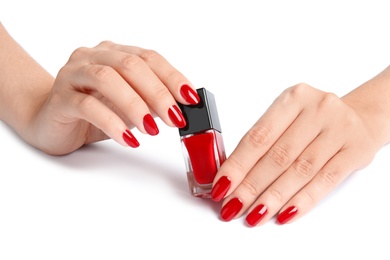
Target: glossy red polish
202, 143
129, 138
189, 95
220, 188
257, 214
287, 215
150, 125
176, 116
231, 209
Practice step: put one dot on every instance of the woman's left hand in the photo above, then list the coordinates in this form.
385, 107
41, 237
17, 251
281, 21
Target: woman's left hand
305, 144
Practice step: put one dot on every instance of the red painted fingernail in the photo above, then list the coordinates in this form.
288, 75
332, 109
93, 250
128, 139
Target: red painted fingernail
287, 214
176, 116
150, 125
220, 188
190, 95
231, 209
256, 215
130, 139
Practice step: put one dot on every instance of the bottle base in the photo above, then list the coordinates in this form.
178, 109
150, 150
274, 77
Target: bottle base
199, 190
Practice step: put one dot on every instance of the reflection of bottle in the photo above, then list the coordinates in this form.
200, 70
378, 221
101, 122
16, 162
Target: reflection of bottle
202, 143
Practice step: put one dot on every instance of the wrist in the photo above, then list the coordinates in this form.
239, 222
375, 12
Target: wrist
371, 101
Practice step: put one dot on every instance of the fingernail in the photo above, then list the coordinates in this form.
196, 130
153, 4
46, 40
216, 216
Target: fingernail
130, 139
257, 214
176, 116
287, 214
150, 125
231, 209
190, 95
220, 188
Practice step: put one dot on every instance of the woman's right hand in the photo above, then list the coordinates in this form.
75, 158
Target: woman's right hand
104, 91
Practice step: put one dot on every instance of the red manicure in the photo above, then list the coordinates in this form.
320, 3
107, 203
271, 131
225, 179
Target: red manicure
202, 142
189, 95
231, 209
176, 116
220, 188
150, 125
130, 139
256, 215
287, 214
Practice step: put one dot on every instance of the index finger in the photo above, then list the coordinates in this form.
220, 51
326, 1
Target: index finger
255, 143
172, 78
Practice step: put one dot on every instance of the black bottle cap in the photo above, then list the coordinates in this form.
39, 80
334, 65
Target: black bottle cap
202, 116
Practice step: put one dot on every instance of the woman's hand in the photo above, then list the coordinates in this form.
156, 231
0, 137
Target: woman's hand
305, 144
100, 93
104, 91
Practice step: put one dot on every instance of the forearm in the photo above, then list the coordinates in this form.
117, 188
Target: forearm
24, 84
372, 101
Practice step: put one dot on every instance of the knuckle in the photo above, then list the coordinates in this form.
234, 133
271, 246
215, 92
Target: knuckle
86, 103
106, 44
310, 197
303, 168
299, 89
280, 156
329, 178
160, 93
258, 135
251, 186
292, 94
328, 101
149, 55
235, 164
172, 75
277, 195
129, 61
133, 102
79, 53
100, 72
330, 98
63, 73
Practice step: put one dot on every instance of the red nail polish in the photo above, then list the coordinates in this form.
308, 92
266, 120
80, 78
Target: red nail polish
202, 143
130, 139
254, 217
189, 95
176, 116
231, 209
287, 214
150, 125
220, 188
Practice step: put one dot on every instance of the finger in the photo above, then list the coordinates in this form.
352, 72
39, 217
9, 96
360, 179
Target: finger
90, 109
262, 135
307, 165
180, 87
107, 82
328, 178
144, 81
279, 157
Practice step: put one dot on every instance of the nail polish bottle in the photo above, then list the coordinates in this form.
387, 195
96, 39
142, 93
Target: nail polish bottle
202, 143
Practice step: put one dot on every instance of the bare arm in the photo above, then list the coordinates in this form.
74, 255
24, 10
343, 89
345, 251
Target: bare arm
24, 84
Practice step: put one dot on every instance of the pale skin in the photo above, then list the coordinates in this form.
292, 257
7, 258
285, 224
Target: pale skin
100, 93
301, 148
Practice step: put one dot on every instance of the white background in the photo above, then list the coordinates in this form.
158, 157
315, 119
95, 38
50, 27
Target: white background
106, 201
